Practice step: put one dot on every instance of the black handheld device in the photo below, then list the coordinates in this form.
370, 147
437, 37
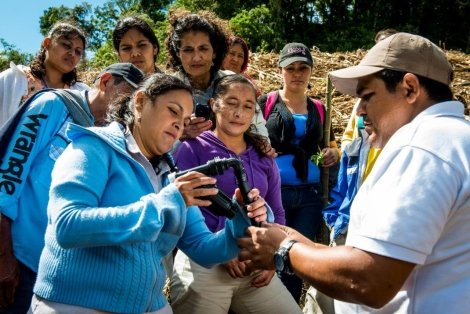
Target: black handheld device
223, 205
203, 111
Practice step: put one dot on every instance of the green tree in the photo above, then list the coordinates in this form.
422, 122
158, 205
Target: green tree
11, 53
222, 8
197, 5
106, 54
79, 15
99, 23
331, 25
156, 10
292, 19
256, 27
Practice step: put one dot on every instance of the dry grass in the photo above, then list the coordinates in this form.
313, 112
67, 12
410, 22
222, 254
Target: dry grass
263, 68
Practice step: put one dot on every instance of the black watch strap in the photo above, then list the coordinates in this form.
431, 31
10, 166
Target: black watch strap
282, 260
287, 267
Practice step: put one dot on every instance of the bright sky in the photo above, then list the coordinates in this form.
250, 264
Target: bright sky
19, 20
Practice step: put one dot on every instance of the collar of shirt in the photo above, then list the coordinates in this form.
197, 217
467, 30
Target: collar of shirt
157, 176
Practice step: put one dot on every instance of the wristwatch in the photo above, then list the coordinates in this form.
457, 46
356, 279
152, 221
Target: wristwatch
281, 258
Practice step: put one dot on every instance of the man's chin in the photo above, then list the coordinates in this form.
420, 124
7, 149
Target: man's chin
373, 140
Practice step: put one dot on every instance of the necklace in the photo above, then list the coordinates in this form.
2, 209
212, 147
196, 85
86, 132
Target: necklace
44, 83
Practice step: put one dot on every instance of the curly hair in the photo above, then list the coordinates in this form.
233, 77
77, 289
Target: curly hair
221, 88
60, 30
122, 109
127, 23
182, 22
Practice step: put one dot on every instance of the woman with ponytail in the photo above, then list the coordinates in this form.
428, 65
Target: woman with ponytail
54, 66
113, 213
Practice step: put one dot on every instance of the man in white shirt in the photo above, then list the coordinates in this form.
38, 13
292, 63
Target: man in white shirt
408, 245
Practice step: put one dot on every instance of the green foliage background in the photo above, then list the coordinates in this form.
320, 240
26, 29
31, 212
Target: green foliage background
330, 25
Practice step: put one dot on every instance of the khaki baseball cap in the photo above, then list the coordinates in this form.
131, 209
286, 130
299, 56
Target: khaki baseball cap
401, 52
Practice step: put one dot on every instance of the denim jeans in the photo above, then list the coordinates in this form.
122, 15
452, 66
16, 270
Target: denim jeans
23, 292
303, 207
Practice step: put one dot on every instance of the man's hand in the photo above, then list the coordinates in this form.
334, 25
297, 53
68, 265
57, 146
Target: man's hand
259, 247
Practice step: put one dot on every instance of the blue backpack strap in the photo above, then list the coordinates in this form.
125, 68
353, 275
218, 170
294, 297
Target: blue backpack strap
270, 102
76, 106
75, 103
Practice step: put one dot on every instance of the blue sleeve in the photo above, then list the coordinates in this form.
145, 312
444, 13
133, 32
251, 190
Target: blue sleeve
83, 177
207, 248
43, 118
337, 194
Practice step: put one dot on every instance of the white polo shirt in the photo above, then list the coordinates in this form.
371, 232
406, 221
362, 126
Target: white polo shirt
415, 206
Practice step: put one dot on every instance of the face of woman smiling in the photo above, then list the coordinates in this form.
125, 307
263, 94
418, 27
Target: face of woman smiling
159, 124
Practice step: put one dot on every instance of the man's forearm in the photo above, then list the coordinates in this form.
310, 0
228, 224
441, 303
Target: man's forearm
349, 274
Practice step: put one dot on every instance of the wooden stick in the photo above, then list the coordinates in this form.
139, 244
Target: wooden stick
326, 140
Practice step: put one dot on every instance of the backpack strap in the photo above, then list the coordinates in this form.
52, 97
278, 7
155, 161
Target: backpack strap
320, 109
270, 102
76, 106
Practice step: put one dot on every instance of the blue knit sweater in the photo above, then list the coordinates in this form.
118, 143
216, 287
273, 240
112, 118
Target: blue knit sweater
108, 231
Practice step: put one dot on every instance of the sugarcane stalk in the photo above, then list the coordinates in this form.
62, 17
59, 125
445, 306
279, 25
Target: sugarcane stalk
326, 140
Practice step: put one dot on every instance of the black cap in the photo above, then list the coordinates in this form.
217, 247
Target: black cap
295, 52
132, 74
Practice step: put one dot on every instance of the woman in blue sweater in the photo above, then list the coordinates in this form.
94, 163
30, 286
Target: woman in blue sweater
113, 215
195, 289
